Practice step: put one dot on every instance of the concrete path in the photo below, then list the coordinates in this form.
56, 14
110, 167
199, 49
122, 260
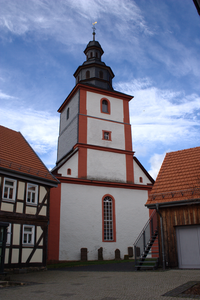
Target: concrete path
87, 283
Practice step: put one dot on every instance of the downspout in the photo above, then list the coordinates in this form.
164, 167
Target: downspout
162, 236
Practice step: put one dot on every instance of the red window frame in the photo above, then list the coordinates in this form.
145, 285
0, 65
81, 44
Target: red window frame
109, 135
108, 106
113, 220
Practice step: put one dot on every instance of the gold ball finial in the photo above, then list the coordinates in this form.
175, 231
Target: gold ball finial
94, 28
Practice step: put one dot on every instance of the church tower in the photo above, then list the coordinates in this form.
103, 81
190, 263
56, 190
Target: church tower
100, 201
95, 121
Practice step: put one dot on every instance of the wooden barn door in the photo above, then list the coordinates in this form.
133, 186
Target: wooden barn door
188, 244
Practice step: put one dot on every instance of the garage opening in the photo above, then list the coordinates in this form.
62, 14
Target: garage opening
188, 246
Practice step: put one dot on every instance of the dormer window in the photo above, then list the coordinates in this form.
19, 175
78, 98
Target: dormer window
87, 74
96, 55
91, 55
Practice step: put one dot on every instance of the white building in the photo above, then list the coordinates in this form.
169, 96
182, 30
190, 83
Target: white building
100, 201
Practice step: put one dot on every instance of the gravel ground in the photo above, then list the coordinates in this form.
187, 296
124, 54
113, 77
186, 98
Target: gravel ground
87, 283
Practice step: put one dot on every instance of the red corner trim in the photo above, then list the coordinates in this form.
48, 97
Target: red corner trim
129, 169
82, 105
128, 138
82, 163
54, 223
126, 111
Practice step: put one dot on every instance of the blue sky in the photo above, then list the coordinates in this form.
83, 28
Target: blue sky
153, 48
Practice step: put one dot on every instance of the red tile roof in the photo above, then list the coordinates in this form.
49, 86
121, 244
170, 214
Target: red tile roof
178, 178
17, 155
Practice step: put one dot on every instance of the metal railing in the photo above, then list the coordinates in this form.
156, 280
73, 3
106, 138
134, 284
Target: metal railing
142, 243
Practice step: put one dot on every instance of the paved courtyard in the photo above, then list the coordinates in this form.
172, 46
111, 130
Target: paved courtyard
87, 283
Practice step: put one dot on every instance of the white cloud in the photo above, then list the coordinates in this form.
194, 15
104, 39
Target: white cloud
156, 162
161, 116
179, 59
5, 96
40, 129
161, 119
69, 21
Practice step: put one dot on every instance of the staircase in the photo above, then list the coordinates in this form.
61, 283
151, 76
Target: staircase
146, 250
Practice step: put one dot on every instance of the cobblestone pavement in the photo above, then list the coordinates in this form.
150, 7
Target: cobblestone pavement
80, 284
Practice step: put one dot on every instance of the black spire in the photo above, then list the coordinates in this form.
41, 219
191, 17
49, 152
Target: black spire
93, 71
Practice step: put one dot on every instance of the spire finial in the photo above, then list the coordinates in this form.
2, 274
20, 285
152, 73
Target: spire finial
94, 28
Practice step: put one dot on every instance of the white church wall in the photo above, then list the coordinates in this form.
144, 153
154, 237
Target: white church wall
72, 164
73, 111
106, 166
93, 107
139, 173
94, 137
81, 220
68, 136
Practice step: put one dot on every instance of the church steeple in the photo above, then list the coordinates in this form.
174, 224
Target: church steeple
93, 71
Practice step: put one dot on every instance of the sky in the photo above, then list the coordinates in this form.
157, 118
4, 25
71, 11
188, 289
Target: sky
152, 46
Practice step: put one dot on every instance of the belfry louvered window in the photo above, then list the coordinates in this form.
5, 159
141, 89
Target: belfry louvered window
87, 74
108, 218
105, 106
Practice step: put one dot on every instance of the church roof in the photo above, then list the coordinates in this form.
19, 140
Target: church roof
93, 70
17, 155
93, 44
178, 179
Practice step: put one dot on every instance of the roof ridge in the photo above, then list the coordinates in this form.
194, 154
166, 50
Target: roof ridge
20, 167
48, 172
178, 177
17, 154
192, 148
160, 174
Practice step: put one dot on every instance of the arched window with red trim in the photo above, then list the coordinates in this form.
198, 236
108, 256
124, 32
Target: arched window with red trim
105, 106
108, 207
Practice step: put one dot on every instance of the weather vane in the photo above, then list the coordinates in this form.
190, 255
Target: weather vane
94, 28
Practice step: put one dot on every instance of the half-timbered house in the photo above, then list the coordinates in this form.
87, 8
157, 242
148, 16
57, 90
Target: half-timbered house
176, 197
25, 184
